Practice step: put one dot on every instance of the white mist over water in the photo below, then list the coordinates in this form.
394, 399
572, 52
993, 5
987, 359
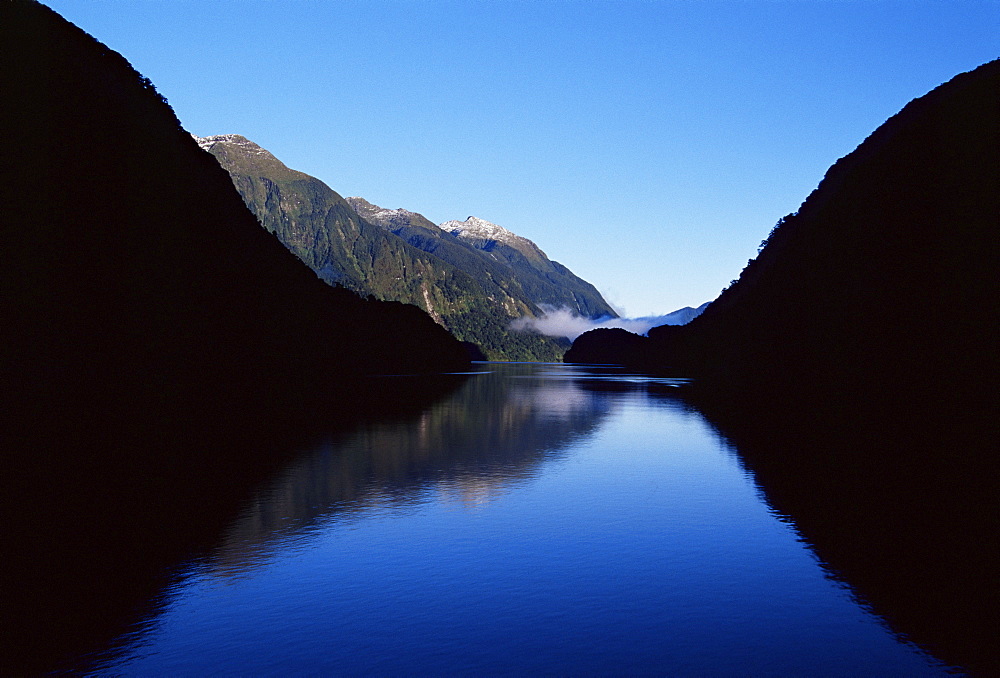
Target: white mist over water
563, 322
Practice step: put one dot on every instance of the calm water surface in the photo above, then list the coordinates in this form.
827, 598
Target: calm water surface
546, 519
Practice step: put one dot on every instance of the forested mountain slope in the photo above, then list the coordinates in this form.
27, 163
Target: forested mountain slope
512, 268
352, 243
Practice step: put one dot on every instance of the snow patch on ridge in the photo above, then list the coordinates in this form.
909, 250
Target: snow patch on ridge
206, 143
388, 215
380, 215
475, 228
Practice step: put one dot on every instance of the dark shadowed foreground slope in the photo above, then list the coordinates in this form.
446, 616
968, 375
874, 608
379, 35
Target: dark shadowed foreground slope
130, 263
880, 294
886, 276
854, 364
159, 351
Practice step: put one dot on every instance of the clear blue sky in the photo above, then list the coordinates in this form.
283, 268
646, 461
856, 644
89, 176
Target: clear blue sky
648, 145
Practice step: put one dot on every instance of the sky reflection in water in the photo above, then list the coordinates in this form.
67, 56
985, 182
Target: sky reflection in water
538, 521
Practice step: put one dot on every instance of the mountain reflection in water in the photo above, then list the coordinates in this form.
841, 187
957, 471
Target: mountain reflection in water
542, 519
488, 437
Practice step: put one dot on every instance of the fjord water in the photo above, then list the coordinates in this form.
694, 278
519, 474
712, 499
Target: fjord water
543, 519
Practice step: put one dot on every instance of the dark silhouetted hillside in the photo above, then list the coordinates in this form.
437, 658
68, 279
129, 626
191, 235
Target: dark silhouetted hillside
884, 282
854, 364
886, 279
609, 346
160, 353
131, 266
650, 353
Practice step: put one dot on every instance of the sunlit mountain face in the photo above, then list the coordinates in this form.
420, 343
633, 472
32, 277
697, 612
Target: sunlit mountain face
474, 278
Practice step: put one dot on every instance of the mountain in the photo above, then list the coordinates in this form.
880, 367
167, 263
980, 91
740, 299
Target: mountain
399, 255
546, 282
682, 316
160, 353
319, 227
131, 266
488, 237
629, 342
886, 276
511, 267
854, 365
611, 346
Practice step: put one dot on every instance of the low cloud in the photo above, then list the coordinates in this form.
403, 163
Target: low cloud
562, 322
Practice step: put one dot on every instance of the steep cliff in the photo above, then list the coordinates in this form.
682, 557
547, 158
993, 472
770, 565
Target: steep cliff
132, 269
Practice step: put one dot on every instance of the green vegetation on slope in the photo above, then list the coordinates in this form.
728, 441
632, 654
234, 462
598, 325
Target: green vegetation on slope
474, 299
516, 271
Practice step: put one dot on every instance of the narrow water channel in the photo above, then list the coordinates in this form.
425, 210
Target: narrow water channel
543, 520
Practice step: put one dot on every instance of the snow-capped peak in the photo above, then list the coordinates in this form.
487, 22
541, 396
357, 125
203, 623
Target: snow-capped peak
474, 227
477, 229
206, 143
